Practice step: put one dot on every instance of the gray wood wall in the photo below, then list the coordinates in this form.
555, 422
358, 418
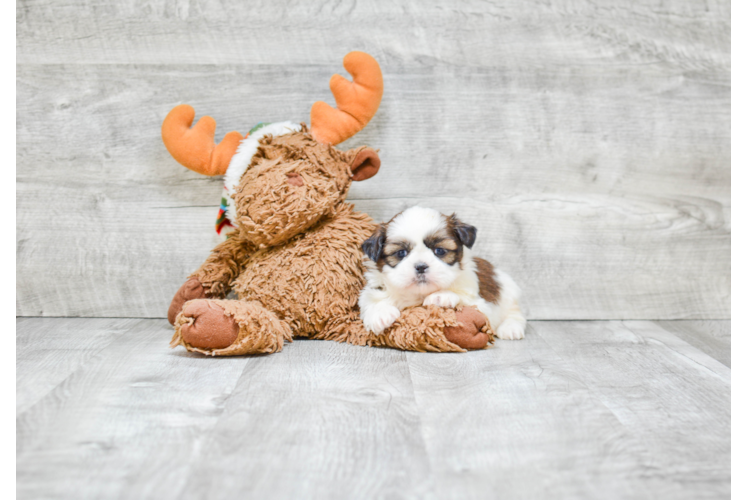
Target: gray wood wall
589, 141
737, 153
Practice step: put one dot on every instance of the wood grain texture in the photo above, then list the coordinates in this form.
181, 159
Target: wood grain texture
739, 267
518, 418
711, 337
588, 141
739, 241
127, 422
49, 350
576, 410
641, 244
324, 420
475, 33
737, 152
672, 397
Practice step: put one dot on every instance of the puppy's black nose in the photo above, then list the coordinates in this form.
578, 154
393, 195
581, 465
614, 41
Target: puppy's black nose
421, 268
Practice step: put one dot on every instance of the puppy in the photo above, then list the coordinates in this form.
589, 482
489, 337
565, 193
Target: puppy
424, 257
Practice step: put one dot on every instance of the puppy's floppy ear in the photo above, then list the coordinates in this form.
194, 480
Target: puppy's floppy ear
464, 232
374, 246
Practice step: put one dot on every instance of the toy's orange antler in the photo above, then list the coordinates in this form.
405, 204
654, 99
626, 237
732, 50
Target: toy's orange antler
194, 147
357, 100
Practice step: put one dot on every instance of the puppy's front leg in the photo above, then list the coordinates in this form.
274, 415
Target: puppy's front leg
380, 316
377, 311
445, 298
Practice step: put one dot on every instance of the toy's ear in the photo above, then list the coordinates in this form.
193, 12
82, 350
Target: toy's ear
464, 232
365, 165
374, 246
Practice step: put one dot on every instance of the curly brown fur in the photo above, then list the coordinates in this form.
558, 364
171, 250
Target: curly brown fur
223, 265
417, 329
295, 261
313, 277
270, 210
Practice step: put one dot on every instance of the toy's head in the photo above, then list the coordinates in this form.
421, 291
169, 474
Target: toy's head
282, 178
291, 183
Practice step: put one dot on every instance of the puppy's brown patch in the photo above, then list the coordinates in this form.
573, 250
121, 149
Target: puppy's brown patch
488, 288
374, 247
391, 249
445, 239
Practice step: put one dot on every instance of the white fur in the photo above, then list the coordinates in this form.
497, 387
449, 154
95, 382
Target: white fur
391, 290
442, 299
243, 157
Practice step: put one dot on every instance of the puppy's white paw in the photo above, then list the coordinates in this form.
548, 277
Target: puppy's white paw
442, 299
511, 329
378, 318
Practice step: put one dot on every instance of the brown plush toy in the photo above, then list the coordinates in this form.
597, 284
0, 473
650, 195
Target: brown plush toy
294, 255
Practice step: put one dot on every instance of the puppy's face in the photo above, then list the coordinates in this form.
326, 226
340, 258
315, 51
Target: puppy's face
420, 250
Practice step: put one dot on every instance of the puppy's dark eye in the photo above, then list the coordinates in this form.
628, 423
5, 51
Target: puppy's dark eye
440, 252
401, 254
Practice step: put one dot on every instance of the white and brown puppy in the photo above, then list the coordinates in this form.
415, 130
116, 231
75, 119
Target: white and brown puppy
424, 257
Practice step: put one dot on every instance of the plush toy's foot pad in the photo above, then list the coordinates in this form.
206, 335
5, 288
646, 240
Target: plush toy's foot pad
467, 334
191, 289
210, 327
218, 327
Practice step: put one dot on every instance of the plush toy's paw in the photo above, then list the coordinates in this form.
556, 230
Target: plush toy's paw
511, 329
467, 334
380, 317
191, 289
208, 326
444, 299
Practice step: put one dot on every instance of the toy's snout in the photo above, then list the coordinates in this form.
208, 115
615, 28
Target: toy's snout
294, 179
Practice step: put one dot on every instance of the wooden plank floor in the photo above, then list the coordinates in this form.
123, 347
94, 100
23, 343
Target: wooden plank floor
593, 409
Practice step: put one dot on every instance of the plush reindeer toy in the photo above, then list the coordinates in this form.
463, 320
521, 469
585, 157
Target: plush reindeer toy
293, 248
